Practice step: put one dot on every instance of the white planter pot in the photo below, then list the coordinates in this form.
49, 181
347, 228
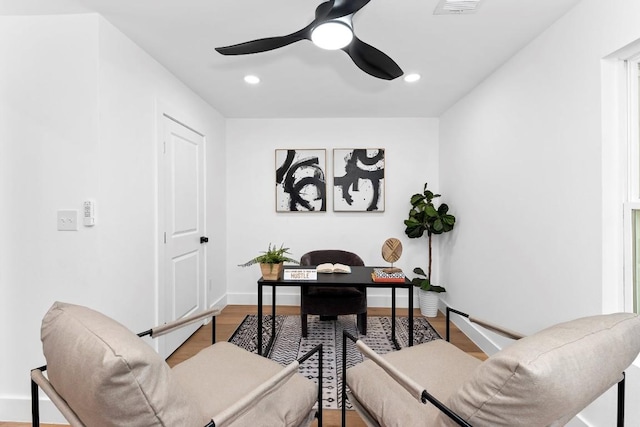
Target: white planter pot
428, 303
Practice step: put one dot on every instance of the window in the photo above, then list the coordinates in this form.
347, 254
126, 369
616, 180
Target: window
632, 205
636, 259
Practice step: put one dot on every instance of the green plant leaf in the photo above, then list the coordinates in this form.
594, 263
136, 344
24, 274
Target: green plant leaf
273, 255
416, 281
414, 231
416, 199
419, 271
425, 285
443, 209
411, 222
430, 211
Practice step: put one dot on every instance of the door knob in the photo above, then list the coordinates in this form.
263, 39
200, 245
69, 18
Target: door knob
204, 239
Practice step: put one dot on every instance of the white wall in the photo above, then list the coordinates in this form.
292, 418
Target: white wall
411, 160
78, 120
521, 160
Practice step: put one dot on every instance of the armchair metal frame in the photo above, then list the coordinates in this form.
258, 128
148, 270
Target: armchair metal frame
40, 381
416, 390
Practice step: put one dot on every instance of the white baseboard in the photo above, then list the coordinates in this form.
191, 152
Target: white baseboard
475, 334
220, 302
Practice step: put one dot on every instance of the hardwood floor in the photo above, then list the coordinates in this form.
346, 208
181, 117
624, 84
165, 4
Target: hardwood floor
232, 316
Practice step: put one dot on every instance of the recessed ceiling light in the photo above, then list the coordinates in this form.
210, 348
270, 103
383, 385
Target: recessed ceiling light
251, 79
413, 77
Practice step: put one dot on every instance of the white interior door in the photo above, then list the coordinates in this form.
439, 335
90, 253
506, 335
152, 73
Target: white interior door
183, 262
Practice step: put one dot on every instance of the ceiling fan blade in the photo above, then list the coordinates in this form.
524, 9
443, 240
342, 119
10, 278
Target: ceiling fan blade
372, 61
323, 10
345, 7
271, 43
263, 45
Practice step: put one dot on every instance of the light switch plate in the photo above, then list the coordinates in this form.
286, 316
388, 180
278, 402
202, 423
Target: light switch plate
68, 220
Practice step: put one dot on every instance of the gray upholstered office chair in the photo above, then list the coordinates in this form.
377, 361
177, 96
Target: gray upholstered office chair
333, 301
544, 379
99, 373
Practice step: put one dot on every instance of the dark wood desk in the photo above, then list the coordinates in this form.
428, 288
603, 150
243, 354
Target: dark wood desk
360, 276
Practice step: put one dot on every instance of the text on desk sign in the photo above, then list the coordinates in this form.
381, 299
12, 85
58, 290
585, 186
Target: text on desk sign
300, 274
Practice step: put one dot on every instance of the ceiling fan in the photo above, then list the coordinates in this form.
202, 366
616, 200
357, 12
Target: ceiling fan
333, 17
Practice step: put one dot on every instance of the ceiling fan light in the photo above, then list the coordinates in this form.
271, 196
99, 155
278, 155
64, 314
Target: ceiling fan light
332, 35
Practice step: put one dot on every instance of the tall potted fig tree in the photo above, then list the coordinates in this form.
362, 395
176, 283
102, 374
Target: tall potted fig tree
425, 217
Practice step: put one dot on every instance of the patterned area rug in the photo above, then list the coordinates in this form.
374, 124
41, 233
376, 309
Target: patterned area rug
289, 344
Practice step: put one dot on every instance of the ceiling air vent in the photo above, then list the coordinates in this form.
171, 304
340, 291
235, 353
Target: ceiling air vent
456, 7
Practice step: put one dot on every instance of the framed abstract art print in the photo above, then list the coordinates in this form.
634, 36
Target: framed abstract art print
358, 179
300, 180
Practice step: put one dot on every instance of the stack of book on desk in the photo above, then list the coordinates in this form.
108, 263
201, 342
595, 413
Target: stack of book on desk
394, 275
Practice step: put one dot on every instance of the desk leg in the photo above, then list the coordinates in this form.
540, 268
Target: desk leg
410, 315
273, 321
259, 318
393, 318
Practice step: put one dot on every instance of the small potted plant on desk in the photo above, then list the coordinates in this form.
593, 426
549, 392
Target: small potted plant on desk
271, 261
424, 216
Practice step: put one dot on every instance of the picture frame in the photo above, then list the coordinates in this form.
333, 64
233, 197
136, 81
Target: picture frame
359, 179
301, 184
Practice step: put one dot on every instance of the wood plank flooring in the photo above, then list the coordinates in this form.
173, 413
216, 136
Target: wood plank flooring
232, 316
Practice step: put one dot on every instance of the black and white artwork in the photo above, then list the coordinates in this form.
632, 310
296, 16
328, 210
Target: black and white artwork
301, 185
358, 180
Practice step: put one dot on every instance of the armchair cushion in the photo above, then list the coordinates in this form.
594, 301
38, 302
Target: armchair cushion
108, 375
547, 378
202, 374
437, 365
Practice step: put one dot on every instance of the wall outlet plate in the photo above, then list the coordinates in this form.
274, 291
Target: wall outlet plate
68, 220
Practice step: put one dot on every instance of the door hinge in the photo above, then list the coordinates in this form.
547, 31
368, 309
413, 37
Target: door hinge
165, 237
164, 147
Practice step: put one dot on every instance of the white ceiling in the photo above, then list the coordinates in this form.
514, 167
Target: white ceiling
453, 53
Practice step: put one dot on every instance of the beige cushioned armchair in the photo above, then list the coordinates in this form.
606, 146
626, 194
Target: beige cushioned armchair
541, 380
101, 374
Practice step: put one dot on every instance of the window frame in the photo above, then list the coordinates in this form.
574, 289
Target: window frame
631, 205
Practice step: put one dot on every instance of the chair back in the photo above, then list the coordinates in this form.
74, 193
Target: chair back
547, 378
108, 375
331, 255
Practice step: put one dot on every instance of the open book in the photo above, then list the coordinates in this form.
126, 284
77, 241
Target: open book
333, 268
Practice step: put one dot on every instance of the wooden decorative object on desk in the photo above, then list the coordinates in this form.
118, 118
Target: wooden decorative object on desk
391, 250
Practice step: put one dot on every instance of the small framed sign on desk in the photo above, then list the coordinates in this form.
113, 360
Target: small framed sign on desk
300, 274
